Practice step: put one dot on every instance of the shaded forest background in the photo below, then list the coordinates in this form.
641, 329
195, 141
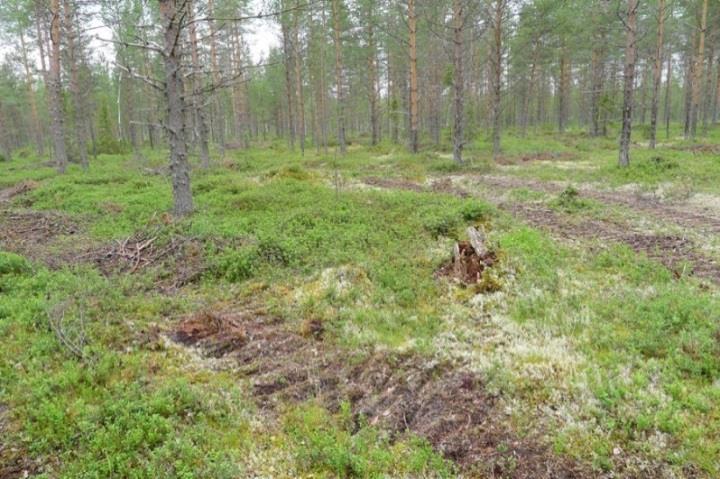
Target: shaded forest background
426, 74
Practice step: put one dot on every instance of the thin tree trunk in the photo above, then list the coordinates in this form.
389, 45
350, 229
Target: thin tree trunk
175, 121
668, 93
564, 84
198, 97
287, 49
629, 81
698, 72
5, 149
373, 82
496, 55
707, 91
716, 96
298, 79
339, 84
37, 127
412, 39
458, 81
657, 72
217, 104
56, 109
80, 115
525, 115
242, 117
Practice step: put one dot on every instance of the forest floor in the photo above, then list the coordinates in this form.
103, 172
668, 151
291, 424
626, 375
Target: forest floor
302, 323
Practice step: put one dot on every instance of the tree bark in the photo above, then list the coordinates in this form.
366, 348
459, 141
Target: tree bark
37, 127
372, 81
176, 108
657, 72
716, 96
339, 84
80, 115
287, 50
239, 92
629, 81
5, 149
698, 71
218, 114
300, 99
458, 81
412, 40
198, 97
55, 87
496, 60
668, 92
564, 85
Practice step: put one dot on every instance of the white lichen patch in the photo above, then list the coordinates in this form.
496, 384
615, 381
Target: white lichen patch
571, 165
705, 201
193, 358
340, 283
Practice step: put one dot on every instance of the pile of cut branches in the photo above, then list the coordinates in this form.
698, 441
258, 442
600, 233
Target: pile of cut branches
176, 260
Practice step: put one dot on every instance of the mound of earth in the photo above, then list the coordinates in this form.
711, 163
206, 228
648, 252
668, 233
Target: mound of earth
402, 393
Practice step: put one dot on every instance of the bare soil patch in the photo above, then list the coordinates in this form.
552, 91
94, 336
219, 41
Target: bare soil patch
675, 214
400, 393
540, 156
443, 185
8, 194
700, 148
676, 253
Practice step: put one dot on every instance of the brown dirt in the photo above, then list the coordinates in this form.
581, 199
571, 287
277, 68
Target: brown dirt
700, 148
14, 463
29, 233
676, 253
541, 156
675, 214
8, 194
400, 393
443, 185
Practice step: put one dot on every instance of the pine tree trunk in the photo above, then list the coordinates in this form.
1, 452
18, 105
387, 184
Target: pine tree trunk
458, 81
287, 50
176, 108
716, 96
629, 81
339, 84
564, 85
698, 71
300, 99
668, 93
5, 150
373, 83
37, 127
412, 40
80, 115
219, 123
657, 72
198, 97
497, 74
55, 87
